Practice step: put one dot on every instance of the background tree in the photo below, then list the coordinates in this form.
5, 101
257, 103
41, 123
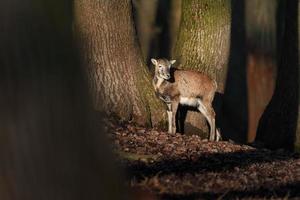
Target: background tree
144, 19
118, 78
49, 148
234, 110
261, 58
157, 24
277, 126
251, 68
203, 45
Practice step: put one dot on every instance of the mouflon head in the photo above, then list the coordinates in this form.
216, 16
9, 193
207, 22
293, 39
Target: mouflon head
162, 67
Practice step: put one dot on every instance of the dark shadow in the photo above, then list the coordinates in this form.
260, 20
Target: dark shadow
180, 118
283, 191
217, 162
48, 146
182, 125
217, 105
223, 163
277, 126
234, 113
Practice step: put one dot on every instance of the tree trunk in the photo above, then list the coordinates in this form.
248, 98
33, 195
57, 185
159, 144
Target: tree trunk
174, 23
119, 80
203, 45
48, 149
234, 112
278, 123
157, 24
251, 68
144, 18
261, 58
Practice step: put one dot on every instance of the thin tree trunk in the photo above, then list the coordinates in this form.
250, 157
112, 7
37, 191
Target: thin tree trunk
119, 80
203, 45
234, 112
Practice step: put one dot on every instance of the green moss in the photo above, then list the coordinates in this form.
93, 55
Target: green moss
199, 13
162, 125
204, 27
154, 108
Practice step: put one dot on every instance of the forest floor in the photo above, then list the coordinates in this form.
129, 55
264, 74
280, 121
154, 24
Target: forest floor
186, 167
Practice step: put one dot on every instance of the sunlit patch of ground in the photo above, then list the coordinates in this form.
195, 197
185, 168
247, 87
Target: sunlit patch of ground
186, 167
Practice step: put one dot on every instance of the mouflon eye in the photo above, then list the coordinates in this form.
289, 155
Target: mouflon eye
160, 66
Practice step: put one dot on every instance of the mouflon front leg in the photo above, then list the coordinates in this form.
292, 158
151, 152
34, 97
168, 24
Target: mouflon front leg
174, 111
169, 112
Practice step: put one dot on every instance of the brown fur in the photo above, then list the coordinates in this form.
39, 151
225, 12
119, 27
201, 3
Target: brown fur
185, 87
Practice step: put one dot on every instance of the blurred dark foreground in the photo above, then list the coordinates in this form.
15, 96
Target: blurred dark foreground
50, 147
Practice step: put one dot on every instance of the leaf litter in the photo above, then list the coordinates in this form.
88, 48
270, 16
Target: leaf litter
176, 166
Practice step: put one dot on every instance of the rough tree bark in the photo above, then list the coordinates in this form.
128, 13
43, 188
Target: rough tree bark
48, 148
203, 45
119, 80
277, 126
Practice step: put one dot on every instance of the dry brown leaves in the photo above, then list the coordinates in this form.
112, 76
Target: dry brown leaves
186, 167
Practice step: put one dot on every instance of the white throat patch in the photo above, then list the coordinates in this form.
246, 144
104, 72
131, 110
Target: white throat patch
158, 83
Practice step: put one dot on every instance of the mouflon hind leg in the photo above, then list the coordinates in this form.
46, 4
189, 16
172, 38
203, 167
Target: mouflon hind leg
209, 115
218, 135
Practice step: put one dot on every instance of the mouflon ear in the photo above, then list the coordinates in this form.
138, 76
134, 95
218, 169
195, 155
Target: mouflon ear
154, 61
172, 62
